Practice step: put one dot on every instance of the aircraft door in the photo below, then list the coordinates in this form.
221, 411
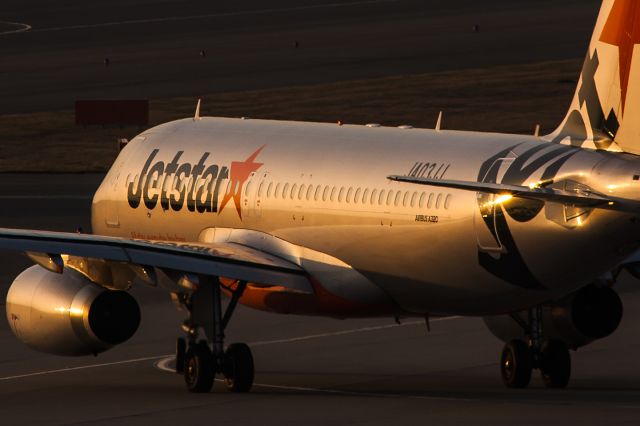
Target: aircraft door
261, 193
252, 195
112, 218
117, 182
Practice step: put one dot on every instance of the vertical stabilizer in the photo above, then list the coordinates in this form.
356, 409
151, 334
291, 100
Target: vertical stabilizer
605, 111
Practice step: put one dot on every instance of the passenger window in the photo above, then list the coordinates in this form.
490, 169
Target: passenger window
285, 190
373, 196
317, 194
341, 195
389, 198
381, 197
293, 191
438, 201
325, 193
397, 200
236, 190
349, 195
405, 199
276, 194
269, 188
365, 196
430, 202
423, 196
309, 192
260, 189
333, 193
356, 197
301, 192
447, 201
414, 197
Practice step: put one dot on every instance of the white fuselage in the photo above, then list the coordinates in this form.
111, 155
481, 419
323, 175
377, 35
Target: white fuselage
325, 187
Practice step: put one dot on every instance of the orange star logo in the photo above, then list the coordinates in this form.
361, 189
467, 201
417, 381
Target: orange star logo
239, 173
623, 30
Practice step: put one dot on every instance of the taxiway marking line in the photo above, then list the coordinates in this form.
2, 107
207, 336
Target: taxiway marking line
355, 393
23, 28
163, 365
164, 360
83, 367
214, 15
345, 332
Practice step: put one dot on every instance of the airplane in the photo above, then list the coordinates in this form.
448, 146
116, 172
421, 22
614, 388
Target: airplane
527, 231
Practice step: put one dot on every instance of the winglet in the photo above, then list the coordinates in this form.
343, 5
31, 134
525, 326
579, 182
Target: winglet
439, 122
197, 114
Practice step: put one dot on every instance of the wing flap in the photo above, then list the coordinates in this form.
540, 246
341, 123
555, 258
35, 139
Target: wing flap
228, 260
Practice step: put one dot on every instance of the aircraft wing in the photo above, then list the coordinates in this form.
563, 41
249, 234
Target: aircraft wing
581, 197
229, 260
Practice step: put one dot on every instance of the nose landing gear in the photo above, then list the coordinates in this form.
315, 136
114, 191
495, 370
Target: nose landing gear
200, 361
519, 358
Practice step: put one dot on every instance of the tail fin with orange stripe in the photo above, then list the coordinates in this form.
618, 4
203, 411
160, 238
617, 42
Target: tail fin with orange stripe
605, 111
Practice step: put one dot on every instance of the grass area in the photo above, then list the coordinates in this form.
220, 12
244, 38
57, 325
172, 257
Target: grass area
504, 99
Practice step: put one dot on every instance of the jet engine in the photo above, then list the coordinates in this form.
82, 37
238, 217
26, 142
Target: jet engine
67, 314
589, 314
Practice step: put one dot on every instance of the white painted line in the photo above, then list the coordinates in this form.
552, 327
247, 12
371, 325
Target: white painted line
215, 15
355, 393
23, 28
163, 364
345, 332
164, 360
83, 367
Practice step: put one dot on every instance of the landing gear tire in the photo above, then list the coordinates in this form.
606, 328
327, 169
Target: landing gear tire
516, 364
199, 369
555, 365
238, 368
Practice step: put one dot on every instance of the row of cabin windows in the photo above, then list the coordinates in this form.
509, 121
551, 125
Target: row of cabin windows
355, 196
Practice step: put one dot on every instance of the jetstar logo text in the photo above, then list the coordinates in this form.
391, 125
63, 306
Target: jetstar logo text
177, 183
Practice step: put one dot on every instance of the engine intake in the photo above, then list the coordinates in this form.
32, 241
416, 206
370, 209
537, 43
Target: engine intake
67, 314
589, 314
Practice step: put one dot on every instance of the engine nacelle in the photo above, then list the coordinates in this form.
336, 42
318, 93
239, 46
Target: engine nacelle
66, 314
589, 314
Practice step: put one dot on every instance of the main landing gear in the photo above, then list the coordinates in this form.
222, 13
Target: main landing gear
200, 360
519, 358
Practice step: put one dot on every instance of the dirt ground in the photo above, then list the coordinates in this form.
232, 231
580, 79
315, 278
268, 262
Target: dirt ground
510, 99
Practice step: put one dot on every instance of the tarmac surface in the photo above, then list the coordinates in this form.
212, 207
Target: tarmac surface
53, 53
313, 371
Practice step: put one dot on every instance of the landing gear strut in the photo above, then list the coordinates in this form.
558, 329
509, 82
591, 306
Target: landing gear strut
519, 358
200, 360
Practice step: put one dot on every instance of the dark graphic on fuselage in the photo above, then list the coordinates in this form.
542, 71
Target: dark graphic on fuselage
508, 264
177, 184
